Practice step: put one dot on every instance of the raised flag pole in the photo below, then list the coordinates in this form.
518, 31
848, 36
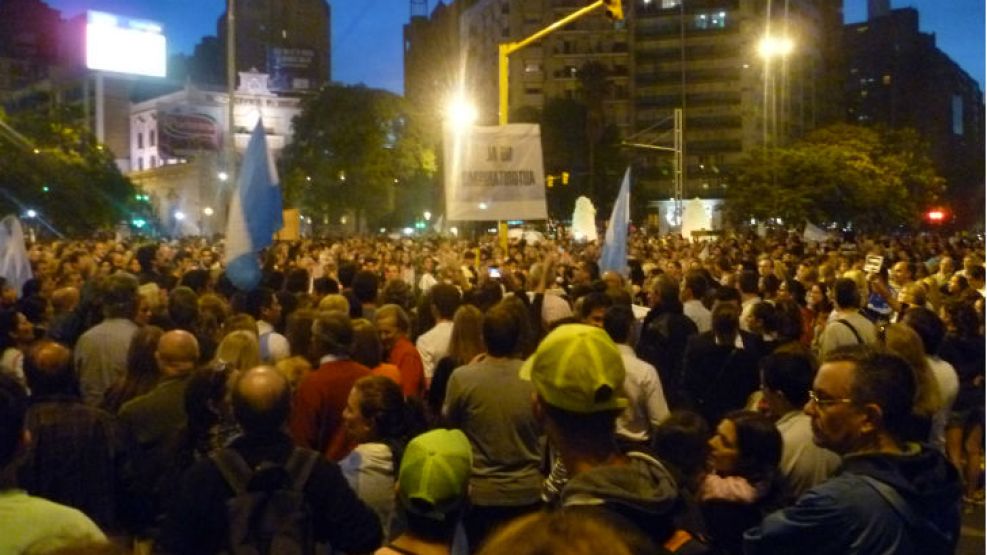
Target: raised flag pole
231, 168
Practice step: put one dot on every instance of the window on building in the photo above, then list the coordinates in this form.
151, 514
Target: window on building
957, 109
140, 139
666, 4
532, 67
154, 161
886, 80
140, 164
151, 137
710, 20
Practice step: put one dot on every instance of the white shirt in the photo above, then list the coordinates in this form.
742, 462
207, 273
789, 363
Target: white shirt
647, 406
803, 463
949, 386
745, 309
433, 345
277, 344
699, 314
554, 306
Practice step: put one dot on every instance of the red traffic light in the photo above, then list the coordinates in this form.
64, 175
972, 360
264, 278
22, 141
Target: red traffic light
936, 215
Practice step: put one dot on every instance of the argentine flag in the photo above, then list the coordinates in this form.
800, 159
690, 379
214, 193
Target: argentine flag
255, 212
614, 255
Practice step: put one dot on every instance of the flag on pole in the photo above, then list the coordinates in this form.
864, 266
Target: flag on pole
813, 233
614, 256
255, 212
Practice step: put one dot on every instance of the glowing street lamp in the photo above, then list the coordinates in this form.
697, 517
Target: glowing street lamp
460, 113
208, 211
775, 47
427, 215
223, 176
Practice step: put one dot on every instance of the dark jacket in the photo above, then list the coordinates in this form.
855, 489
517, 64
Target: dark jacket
664, 334
720, 378
197, 521
847, 514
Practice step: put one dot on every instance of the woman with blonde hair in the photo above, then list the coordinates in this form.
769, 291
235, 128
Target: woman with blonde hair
904, 341
240, 350
465, 343
334, 301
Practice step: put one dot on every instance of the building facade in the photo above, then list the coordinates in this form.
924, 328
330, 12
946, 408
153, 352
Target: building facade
177, 142
897, 77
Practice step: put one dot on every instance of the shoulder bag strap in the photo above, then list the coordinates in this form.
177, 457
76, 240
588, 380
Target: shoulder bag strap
299, 467
233, 468
846, 323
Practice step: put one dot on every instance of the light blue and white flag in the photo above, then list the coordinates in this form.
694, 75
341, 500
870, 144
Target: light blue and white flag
14, 264
255, 212
614, 255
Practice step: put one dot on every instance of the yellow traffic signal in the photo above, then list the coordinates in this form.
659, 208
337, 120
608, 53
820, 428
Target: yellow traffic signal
565, 178
550, 181
614, 9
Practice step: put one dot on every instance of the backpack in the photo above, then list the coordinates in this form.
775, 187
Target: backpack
268, 513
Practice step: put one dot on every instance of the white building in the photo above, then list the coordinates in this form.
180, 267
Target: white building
177, 148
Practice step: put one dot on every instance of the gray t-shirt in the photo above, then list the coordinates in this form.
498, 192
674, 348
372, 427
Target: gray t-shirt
492, 406
837, 334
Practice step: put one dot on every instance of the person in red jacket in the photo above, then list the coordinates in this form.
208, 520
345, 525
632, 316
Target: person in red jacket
393, 326
317, 416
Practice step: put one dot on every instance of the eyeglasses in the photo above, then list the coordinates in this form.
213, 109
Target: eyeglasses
814, 397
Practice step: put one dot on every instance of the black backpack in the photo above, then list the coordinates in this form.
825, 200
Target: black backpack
268, 513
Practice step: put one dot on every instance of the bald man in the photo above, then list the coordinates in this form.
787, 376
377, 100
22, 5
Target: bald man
197, 522
151, 418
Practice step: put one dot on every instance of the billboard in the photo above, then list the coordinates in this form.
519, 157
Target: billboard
186, 130
495, 173
123, 45
291, 69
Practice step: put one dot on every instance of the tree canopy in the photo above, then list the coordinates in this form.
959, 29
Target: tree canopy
848, 175
358, 150
62, 174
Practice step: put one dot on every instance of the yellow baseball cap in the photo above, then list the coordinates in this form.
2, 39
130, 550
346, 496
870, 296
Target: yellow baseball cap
578, 368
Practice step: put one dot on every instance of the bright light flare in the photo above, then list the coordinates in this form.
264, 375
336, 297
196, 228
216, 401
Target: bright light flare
775, 47
461, 113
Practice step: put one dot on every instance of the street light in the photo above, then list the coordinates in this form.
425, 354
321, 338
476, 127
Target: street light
208, 211
427, 215
179, 215
460, 113
775, 47
223, 176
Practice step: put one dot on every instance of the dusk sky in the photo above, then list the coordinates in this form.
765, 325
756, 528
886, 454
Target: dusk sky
366, 34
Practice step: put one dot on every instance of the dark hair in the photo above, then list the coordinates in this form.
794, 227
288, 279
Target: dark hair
13, 408
617, 321
883, 378
120, 296
205, 395
759, 443
501, 331
788, 320
256, 300
727, 295
796, 290
197, 280
332, 333
394, 420
365, 285
142, 369
296, 281
667, 291
963, 316
323, 286
346, 273
682, 441
790, 373
183, 308
696, 283
765, 312
145, 256
592, 268
726, 322
592, 430
298, 331
928, 326
846, 294
593, 301
8, 323
445, 299
770, 284
747, 281
976, 272
30, 288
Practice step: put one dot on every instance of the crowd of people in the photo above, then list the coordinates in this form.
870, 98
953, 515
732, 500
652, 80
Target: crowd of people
740, 394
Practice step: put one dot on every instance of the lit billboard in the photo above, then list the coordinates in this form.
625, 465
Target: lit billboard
123, 45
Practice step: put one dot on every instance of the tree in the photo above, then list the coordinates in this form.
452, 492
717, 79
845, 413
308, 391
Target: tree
849, 175
357, 149
63, 174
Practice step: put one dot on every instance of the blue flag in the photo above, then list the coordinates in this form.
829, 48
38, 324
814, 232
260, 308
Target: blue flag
255, 212
614, 255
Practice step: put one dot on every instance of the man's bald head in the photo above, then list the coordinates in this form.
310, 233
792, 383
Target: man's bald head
64, 299
177, 353
48, 369
261, 400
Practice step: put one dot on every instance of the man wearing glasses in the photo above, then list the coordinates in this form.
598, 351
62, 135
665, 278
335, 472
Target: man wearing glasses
888, 496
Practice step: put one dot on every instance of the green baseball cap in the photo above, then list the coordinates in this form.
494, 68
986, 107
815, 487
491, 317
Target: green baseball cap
578, 368
435, 473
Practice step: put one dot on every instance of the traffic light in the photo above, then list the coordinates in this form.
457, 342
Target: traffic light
565, 178
549, 181
614, 9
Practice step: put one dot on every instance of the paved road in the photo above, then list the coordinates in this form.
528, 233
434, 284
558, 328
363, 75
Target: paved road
972, 534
